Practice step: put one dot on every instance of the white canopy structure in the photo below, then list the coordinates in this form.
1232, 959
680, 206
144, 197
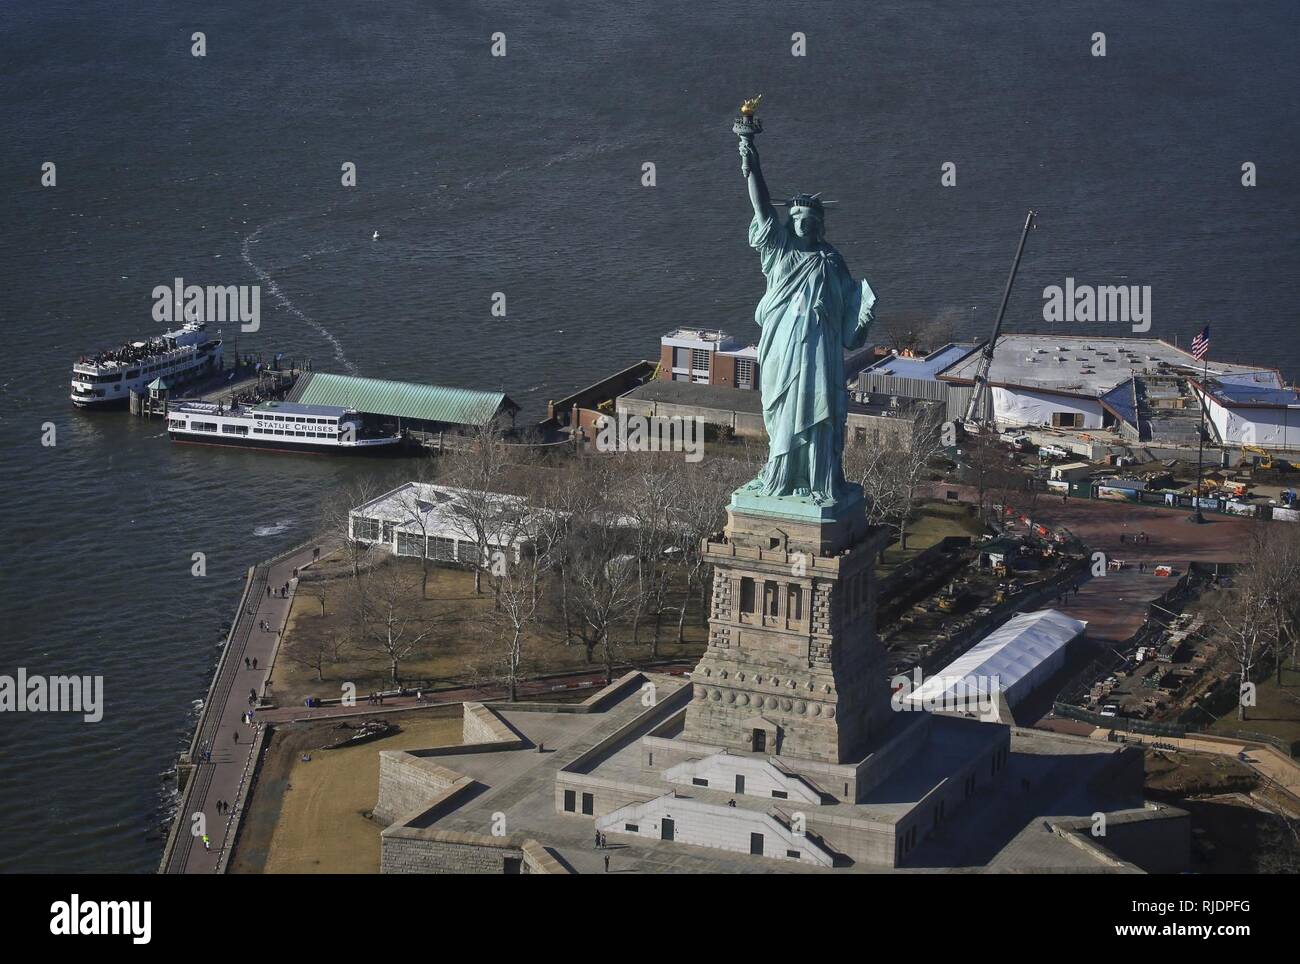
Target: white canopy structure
1003, 668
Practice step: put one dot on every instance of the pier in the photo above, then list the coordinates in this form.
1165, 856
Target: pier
217, 767
250, 384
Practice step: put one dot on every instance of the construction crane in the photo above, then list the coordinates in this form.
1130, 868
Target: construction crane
979, 397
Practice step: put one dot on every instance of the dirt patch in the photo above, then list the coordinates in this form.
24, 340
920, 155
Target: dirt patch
1175, 775
312, 816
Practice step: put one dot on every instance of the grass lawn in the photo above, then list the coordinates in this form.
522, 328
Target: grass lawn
933, 521
318, 809
1277, 709
456, 650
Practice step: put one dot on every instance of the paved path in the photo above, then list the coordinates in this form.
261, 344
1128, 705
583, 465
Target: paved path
1116, 605
224, 763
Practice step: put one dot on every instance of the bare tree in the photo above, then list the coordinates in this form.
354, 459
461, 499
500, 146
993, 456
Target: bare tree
602, 563
390, 624
924, 442
651, 489
892, 472
1243, 616
989, 467
1273, 574
879, 470
336, 520
315, 651
519, 573
478, 467
569, 500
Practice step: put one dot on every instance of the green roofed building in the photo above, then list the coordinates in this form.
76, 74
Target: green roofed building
415, 408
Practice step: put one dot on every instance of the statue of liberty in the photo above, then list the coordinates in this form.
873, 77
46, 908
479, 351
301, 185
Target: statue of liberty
812, 311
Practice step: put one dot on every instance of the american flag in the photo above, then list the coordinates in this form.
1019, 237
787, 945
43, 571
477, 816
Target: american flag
1201, 344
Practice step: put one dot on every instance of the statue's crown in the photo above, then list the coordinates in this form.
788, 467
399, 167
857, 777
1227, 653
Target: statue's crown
813, 202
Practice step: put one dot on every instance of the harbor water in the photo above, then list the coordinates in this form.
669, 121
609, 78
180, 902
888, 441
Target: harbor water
526, 175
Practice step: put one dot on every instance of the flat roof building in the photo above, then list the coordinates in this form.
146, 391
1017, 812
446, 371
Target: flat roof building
708, 357
1252, 408
1091, 382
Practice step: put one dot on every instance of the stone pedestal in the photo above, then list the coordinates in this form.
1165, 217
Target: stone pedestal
792, 667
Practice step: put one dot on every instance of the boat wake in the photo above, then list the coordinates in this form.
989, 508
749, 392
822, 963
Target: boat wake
274, 289
274, 530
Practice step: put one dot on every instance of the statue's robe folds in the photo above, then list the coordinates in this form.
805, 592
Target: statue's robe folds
809, 315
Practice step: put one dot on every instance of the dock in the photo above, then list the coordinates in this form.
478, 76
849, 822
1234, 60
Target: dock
218, 766
249, 385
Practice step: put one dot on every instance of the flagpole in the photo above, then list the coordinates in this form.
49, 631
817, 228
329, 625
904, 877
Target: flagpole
1200, 446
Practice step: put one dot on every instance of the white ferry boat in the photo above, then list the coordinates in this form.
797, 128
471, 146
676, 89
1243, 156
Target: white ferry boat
107, 378
281, 426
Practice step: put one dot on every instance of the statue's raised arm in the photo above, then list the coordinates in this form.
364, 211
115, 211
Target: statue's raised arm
745, 127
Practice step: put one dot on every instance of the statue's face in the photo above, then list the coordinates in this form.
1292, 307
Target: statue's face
806, 223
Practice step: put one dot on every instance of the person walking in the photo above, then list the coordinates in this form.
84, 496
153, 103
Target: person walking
606, 863
254, 662
208, 846
246, 666
236, 735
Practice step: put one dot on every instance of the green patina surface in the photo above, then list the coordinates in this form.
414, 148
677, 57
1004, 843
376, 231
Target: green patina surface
380, 396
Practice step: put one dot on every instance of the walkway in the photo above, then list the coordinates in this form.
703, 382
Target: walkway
224, 746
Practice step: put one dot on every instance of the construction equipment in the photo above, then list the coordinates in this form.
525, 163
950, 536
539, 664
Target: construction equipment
1262, 458
977, 412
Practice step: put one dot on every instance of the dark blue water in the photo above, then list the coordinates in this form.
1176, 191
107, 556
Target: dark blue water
523, 175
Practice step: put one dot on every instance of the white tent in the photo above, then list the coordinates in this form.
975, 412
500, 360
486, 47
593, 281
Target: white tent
1002, 668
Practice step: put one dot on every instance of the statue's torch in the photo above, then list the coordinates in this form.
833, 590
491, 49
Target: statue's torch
746, 126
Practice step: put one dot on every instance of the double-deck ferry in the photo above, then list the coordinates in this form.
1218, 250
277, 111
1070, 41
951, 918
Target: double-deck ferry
281, 426
107, 379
